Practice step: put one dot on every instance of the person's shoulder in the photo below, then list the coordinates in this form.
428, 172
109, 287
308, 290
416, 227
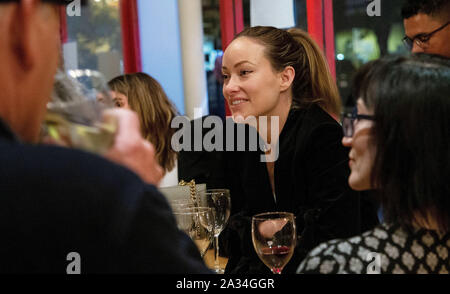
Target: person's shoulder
323, 259
52, 166
314, 113
314, 118
94, 187
350, 255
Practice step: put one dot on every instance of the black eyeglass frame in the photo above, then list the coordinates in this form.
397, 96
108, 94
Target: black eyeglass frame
349, 120
421, 39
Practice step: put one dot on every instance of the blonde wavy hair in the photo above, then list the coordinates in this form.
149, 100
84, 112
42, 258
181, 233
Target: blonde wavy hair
147, 98
313, 83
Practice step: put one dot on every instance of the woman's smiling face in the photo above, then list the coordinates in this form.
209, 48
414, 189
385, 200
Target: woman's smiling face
251, 85
362, 152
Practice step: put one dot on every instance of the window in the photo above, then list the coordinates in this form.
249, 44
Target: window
212, 49
360, 38
94, 39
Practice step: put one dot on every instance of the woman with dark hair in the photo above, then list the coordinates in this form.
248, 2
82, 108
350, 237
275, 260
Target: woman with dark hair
400, 148
272, 73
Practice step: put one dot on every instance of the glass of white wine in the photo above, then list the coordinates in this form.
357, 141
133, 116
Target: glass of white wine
220, 202
197, 223
75, 113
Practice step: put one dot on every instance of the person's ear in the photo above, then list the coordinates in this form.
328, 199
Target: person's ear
287, 77
22, 32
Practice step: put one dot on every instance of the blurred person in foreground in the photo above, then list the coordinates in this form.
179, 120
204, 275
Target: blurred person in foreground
427, 26
144, 95
56, 200
399, 139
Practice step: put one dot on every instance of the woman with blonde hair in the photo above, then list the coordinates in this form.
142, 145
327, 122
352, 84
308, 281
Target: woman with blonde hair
144, 95
269, 72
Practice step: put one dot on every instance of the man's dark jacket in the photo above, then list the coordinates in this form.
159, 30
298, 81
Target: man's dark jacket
54, 201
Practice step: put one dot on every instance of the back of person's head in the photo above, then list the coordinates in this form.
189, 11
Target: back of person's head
430, 7
410, 100
147, 97
313, 82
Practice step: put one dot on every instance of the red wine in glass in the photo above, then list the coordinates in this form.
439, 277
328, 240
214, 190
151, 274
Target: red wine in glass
276, 257
274, 238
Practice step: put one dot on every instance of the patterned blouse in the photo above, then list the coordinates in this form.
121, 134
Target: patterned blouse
387, 249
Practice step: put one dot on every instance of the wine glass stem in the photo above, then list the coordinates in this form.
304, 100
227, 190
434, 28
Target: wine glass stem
216, 253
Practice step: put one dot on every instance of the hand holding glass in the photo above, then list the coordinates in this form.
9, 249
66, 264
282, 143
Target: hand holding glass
75, 113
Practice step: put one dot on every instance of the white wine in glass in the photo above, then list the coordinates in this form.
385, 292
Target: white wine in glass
74, 114
274, 238
198, 224
219, 200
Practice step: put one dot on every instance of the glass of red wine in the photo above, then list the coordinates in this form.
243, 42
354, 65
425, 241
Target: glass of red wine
274, 238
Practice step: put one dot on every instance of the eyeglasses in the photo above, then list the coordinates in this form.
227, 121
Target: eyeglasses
422, 39
349, 121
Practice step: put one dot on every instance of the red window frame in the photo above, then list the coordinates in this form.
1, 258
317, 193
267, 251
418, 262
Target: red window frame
231, 24
321, 28
63, 24
131, 44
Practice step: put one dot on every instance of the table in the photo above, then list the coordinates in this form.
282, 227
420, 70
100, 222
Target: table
209, 259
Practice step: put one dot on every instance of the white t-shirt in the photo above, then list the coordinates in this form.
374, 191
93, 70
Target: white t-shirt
170, 178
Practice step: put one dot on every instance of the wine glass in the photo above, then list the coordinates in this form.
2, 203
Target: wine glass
219, 200
198, 224
180, 204
75, 112
274, 238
